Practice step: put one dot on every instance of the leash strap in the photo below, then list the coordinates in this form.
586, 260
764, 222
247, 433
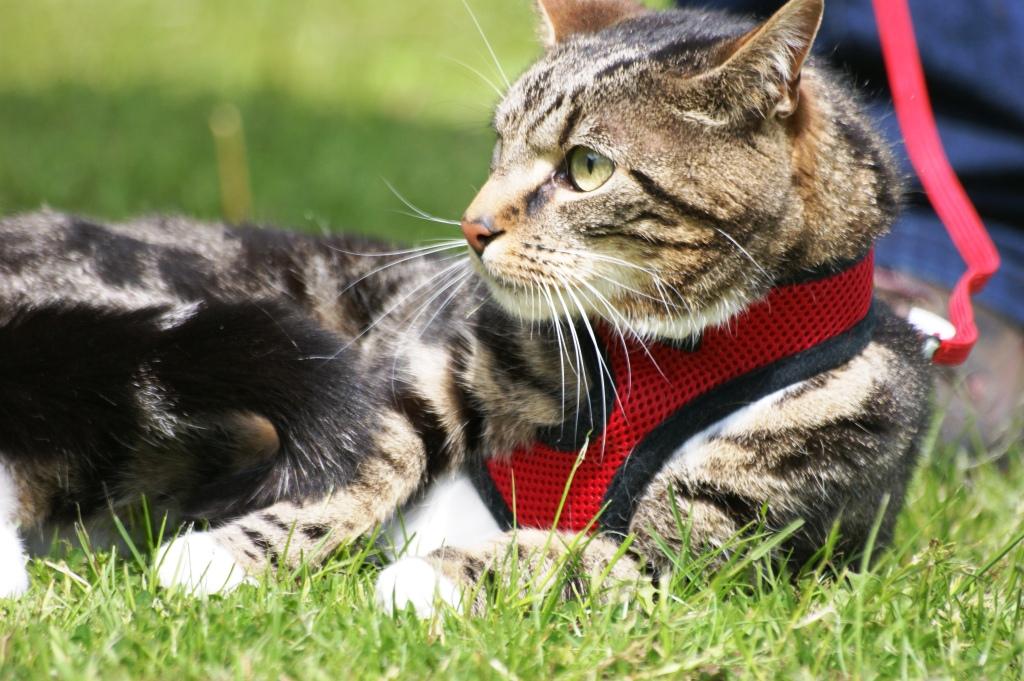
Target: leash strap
946, 194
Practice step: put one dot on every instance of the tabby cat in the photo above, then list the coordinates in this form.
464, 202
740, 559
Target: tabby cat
657, 174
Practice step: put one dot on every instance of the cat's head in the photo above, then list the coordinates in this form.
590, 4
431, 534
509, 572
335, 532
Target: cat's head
663, 169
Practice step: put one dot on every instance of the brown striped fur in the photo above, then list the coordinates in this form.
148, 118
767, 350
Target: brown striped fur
739, 160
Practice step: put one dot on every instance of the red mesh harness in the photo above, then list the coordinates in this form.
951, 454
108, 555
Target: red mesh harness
798, 331
668, 393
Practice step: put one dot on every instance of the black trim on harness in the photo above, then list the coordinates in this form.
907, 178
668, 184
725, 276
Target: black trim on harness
632, 478
822, 271
490, 495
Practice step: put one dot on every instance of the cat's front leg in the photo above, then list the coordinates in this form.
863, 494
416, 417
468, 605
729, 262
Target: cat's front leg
836, 449
528, 561
198, 563
290, 532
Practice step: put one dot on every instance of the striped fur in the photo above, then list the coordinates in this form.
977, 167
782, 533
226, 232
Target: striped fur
296, 391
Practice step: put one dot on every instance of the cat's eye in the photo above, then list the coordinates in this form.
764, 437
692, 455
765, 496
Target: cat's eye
588, 169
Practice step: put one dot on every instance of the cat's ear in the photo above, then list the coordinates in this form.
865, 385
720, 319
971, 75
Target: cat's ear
764, 65
565, 18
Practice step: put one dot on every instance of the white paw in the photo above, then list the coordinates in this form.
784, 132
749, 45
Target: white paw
196, 563
414, 581
13, 576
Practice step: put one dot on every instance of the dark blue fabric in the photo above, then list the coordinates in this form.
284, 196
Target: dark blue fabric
973, 54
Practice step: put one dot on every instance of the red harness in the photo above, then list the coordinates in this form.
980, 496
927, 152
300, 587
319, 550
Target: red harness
798, 331
666, 394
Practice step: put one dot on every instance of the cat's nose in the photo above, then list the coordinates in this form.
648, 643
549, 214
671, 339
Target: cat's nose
480, 232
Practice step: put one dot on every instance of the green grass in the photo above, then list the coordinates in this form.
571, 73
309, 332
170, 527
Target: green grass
104, 109
105, 105
946, 602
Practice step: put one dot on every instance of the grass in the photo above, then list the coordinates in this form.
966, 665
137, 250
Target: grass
946, 602
105, 105
105, 108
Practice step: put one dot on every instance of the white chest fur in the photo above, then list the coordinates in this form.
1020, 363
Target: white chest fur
451, 513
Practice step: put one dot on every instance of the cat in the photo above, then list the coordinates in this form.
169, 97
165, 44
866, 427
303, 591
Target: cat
665, 185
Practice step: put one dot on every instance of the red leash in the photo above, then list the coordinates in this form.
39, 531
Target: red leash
946, 194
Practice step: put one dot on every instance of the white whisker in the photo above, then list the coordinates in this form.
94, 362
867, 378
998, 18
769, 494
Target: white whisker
571, 293
461, 281
419, 211
744, 251
480, 75
440, 221
447, 282
394, 307
563, 352
425, 252
581, 374
487, 42
635, 292
602, 365
655, 277
484, 301
447, 243
615, 316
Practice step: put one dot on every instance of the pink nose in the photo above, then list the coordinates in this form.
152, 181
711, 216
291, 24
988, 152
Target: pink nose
479, 233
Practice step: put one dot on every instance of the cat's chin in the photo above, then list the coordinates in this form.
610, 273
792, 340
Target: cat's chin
515, 303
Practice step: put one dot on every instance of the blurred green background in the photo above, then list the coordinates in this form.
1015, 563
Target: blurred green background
105, 105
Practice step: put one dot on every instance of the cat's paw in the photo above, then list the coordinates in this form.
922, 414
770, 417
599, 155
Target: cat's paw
414, 581
13, 576
196, 563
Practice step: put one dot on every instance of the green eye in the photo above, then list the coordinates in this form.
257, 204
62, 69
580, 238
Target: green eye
588, 169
